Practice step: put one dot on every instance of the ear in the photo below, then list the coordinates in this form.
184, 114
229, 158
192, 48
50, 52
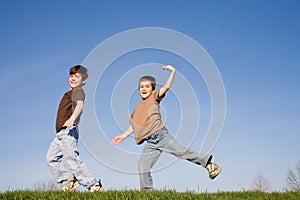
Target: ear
84, 82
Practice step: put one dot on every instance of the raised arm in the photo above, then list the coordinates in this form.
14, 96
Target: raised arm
120, 138
169, 82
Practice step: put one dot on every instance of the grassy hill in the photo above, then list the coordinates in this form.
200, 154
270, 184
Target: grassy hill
140, 195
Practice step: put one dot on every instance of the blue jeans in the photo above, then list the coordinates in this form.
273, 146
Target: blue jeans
159, 142
65, 145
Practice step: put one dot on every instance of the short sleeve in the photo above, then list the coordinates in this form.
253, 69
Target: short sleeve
78, 95
156, 95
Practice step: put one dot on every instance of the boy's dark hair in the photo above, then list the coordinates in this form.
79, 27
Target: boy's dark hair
81, 70
148, 78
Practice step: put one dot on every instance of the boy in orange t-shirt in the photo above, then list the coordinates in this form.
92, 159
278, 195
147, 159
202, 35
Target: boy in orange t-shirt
146, 124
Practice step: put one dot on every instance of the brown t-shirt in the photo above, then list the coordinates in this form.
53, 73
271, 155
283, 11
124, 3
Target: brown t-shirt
67, 105
146, 118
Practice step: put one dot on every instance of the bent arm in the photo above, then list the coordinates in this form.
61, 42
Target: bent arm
169, 82
120, 138
77, 111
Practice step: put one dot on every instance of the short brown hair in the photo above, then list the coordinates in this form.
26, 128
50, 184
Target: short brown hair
148, 78
82, 70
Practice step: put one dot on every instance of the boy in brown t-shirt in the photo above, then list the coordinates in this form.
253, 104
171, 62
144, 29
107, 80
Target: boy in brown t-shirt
146, 124
65, 142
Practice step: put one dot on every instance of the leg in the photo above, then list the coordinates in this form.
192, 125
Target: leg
71, 154
148, 158
169, 145
54, 161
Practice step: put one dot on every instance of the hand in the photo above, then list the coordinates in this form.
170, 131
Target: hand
69, 123
117, 140
168, 67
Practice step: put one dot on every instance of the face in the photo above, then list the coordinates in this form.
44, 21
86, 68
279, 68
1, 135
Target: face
76, 80
145, 89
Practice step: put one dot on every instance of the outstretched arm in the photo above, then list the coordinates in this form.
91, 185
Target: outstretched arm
169, 82
120, 138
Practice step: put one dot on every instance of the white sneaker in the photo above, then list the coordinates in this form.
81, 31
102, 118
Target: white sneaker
214, 170
97, 187
71, 185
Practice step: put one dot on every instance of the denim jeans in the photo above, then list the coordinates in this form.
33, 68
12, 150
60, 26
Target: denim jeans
64, 146
159, 142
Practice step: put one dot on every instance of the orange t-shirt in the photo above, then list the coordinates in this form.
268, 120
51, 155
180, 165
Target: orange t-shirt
146, 118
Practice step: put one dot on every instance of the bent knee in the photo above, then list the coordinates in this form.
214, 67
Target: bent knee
49, 160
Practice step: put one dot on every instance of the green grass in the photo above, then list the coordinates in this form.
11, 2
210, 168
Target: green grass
139, 195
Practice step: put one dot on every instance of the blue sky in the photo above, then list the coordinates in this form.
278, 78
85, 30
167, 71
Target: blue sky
254, 44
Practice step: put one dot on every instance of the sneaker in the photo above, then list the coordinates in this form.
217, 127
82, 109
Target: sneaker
71, 185
214, 170
97, 187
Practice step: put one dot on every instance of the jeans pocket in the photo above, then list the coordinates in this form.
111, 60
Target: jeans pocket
73, 132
